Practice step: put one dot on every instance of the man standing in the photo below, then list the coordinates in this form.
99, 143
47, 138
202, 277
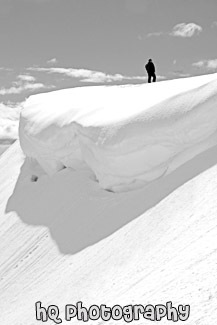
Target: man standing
150, 68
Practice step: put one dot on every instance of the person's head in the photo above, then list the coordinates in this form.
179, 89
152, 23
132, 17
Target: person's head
150, 60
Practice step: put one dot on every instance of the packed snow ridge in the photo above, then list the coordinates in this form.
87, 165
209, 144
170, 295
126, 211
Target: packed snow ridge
127, 135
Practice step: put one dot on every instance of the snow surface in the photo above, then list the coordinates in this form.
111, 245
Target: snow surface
64, 239
128, 135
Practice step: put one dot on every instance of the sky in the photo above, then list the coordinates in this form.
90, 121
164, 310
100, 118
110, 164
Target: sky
54, 44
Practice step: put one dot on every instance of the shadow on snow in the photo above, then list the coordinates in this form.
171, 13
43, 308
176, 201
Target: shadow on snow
78, 213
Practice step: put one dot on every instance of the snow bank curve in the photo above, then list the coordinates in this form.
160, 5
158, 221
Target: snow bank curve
128, 135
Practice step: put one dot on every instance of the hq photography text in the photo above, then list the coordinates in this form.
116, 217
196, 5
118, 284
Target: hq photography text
127, 313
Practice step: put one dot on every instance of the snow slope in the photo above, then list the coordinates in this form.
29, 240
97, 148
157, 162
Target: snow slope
64, 240
127, 135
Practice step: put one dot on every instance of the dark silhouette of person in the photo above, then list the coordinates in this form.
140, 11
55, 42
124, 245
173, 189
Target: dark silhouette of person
150, 68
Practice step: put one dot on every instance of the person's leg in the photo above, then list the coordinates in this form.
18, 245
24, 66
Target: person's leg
154, 77
149, 78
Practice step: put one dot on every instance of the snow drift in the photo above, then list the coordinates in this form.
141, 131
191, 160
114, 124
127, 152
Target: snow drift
127, 135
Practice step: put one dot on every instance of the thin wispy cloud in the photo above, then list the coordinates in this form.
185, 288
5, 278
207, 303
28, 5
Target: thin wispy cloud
180, 74
25, 77
20, 89
5, 69
85, 75
206, 64
180, 30
52, 61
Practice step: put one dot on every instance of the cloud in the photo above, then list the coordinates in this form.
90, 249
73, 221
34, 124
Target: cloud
214, 24
85, 75
180, 73
5, 69
20, 89
52, 61
26, 77
180, 30
199, 64
24, 83
186, 30
206, 64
